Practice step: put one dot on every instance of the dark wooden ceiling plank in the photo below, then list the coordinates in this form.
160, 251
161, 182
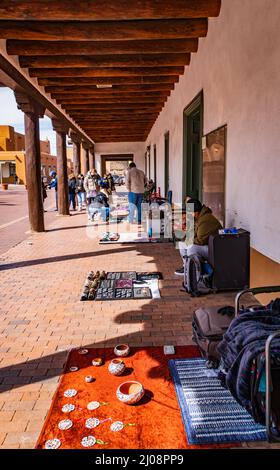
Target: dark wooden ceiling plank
105, 72
91, 81
112, 99
149, 46
109, 10
103, 30
116, 89
144, 60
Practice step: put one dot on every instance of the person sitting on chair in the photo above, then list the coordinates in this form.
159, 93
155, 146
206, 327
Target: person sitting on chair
205, 224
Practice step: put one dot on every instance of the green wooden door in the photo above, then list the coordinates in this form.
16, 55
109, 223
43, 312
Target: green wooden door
166, 163
192, 159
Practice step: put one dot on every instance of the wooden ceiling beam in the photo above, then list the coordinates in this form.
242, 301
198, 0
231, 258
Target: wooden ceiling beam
105, 72
116, 126
116, 89
130, 107
123, 136
142, 94
115, 113
120, 139
149, 46
103, 30
110, 10
101, 117
112, 99
68, 61
91, 81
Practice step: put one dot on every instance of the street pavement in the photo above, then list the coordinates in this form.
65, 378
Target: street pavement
14, 223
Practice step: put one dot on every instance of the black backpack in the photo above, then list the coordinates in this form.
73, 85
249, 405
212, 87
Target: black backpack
197, 278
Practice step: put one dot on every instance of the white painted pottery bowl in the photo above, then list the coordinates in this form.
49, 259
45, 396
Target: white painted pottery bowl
116, 367
89, 379
97, 361
121, 350
130, 392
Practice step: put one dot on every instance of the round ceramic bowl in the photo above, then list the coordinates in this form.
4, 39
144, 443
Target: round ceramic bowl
97, 361
121, 350
116, 367
89, 379
130, 392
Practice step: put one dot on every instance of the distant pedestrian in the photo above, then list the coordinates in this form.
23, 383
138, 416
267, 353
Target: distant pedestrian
81, 194
92, 186
135, 182
72, 191
16, 178
44, 192
53, 184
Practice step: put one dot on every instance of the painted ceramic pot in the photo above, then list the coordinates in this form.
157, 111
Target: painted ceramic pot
97, 361
130, 392
89, 379
116, 367
121, 350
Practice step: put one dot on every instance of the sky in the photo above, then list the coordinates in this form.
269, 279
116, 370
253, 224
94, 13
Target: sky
11, 116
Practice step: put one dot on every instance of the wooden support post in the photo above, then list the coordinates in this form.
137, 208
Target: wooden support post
62, 177
85, 158
32, 111
76, 153
91, 157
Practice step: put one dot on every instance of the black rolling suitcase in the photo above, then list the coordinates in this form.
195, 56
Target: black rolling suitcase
229, 256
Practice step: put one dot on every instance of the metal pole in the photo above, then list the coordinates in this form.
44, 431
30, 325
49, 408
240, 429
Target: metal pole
269, 385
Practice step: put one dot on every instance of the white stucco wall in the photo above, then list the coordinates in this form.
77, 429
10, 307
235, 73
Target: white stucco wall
238, 68
137, 148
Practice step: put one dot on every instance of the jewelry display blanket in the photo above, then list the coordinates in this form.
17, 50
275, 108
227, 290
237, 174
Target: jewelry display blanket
122, 286
134, 237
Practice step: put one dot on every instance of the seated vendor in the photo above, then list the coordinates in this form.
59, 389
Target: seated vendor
100, 204
205, 224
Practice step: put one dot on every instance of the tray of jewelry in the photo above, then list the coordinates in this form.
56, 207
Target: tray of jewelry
122, 275
116, 286
145, 276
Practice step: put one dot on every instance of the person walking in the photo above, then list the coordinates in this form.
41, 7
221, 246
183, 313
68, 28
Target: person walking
91, 186
53, 184
72, 191
135, 183
81, 195
44, 191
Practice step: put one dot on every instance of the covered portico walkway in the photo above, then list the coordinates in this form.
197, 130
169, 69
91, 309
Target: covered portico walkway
42, 316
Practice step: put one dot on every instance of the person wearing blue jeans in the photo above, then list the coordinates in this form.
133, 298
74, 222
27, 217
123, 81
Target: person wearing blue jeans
135, 202
135, 183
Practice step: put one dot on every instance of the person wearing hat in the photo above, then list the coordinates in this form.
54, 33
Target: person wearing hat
205, 224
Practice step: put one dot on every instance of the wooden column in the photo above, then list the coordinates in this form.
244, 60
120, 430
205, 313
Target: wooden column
32, 111
62, 177
76, 153
85, 158
91, 157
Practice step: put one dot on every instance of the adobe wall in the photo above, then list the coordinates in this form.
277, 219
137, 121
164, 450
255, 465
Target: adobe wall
238, 68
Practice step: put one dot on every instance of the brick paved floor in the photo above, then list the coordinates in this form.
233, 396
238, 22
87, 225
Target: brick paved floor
41, 316
14, 223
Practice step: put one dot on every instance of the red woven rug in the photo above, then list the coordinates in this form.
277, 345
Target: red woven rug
156, 418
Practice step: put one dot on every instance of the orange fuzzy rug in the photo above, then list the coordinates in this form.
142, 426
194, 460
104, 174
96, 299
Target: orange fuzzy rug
156, 418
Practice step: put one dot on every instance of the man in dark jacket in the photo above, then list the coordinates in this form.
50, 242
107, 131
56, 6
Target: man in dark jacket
205, 224
72, 191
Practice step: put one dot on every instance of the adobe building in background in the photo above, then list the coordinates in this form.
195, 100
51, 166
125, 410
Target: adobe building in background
12, 156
